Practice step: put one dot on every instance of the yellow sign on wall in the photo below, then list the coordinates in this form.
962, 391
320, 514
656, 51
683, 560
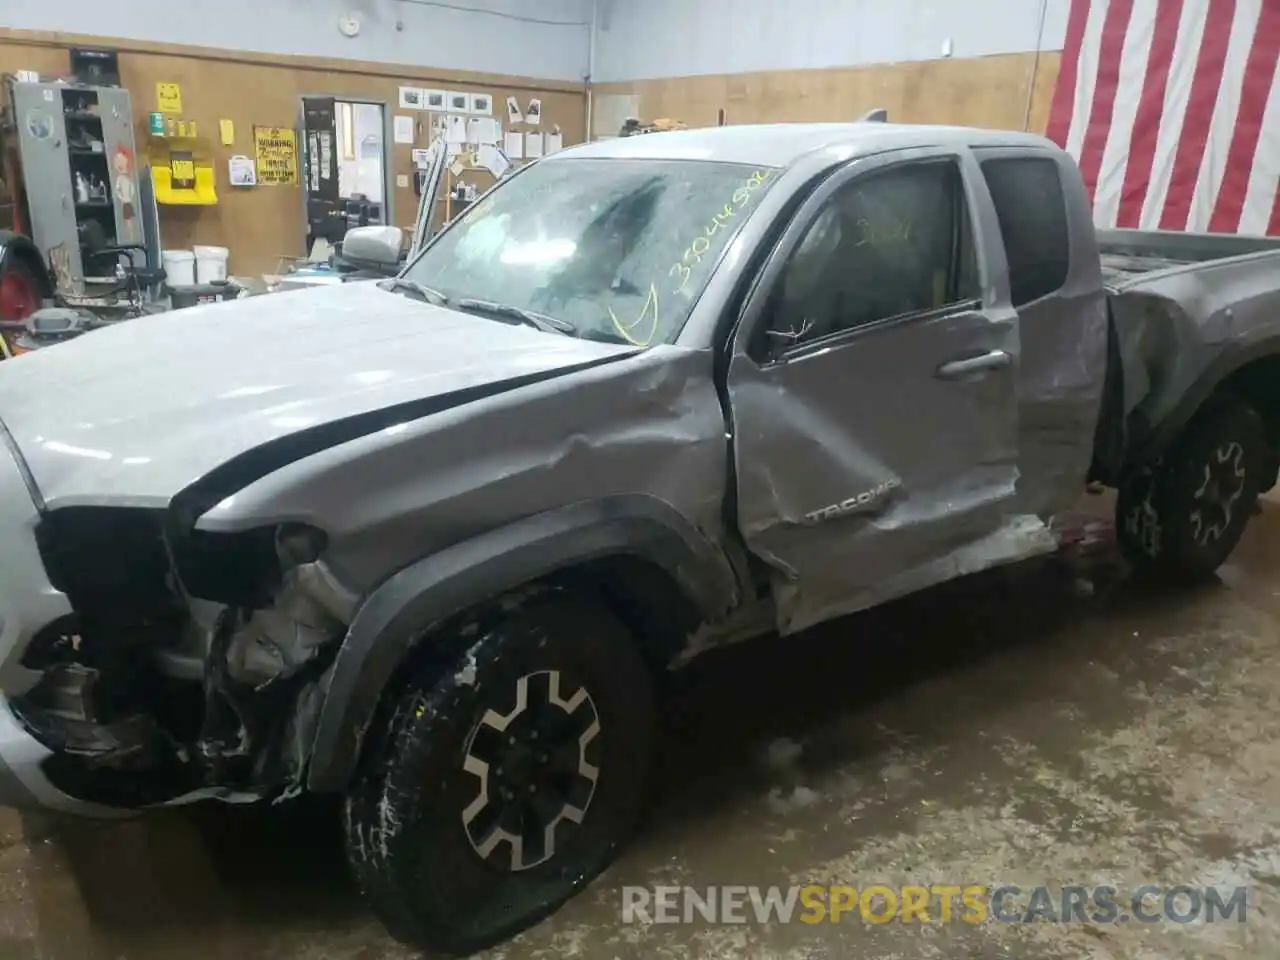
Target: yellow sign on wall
276, 149
168, 98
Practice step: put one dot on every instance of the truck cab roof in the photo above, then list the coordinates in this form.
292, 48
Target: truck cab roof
781, 144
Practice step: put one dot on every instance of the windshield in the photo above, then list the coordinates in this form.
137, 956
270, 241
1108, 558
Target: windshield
616, 249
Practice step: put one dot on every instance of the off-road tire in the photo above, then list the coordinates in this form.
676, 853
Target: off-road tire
407, 841
1165, 524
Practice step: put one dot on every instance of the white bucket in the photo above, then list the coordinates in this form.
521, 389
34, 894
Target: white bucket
179, 267
211, 263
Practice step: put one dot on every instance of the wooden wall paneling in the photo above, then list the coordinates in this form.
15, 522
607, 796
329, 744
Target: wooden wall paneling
262, 224
984, 91
14, 56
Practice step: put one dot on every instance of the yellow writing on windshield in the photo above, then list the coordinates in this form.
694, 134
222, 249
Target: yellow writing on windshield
644, 328
698, 248
647, 312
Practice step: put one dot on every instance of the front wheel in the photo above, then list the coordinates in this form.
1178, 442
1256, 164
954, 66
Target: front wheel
1183, 515
503, 787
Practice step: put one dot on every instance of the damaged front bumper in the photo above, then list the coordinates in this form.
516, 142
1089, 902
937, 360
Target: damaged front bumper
23, 783
27, 603
143, 665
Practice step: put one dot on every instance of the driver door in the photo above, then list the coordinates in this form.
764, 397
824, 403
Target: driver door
873, 391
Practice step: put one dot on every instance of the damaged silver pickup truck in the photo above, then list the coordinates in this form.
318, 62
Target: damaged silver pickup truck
430, 542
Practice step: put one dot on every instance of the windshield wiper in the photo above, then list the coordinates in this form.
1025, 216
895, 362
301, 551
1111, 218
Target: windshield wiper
423, 292
530, 318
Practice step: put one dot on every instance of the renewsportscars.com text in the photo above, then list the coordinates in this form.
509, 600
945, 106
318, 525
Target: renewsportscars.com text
939, 903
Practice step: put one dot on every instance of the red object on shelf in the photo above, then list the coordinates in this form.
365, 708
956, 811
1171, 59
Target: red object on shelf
18, 295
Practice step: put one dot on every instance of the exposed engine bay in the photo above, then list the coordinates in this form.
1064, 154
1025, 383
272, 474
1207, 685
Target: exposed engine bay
193, 662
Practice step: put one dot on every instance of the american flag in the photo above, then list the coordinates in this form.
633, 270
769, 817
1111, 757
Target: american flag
1172, 109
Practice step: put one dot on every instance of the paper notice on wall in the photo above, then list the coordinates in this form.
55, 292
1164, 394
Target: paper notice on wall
534, 114
276, 155
456, 129
555, 140
404, 129
513, 144
422, 157
514, 113
326, 150
533, 145
168, 98
483, 130
242, 172
494, 160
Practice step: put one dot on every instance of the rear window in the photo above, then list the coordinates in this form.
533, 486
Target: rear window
1027, 192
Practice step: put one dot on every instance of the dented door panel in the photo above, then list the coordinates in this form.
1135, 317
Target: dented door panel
876, 460
857, 464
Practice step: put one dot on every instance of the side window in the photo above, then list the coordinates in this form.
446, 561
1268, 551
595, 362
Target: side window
893, 242
1027, 192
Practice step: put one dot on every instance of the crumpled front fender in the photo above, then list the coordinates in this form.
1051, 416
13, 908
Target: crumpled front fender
429, 592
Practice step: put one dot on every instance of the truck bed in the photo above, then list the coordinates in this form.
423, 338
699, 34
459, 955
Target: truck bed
1187, 310
1127, 254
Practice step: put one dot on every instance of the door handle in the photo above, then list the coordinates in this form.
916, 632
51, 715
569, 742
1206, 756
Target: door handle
992, 360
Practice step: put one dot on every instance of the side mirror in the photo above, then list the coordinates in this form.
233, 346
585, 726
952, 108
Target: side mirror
373, 245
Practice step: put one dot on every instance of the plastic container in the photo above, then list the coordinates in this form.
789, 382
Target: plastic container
202, 293
179, 267
211, 263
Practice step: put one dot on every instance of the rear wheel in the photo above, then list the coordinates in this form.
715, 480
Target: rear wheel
502, 788
1183, 515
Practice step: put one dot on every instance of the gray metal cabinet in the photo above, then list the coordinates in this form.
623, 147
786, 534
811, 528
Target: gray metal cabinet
80, 165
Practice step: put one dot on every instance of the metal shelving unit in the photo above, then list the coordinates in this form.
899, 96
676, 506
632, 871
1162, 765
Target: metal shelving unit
80, 167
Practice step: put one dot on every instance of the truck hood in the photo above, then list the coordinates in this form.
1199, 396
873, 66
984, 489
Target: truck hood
133, 414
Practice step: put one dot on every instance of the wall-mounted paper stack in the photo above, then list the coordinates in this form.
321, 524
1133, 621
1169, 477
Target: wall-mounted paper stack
513, 144
483, 130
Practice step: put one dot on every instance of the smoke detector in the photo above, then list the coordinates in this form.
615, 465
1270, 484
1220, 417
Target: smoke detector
349, 24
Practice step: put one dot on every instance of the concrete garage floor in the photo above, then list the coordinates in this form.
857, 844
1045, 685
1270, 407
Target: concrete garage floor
1048, 725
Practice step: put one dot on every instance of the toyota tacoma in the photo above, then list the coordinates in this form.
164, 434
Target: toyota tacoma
431, 542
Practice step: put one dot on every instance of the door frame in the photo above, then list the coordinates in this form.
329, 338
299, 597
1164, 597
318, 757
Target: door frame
388, 159
993, 279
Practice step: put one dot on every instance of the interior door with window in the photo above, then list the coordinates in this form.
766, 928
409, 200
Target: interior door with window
325, 216
873, 391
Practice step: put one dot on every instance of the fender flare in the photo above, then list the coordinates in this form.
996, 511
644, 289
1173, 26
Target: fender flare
16, 246
1160, 435
393, 616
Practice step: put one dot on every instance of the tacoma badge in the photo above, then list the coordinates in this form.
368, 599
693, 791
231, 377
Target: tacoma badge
854, 504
